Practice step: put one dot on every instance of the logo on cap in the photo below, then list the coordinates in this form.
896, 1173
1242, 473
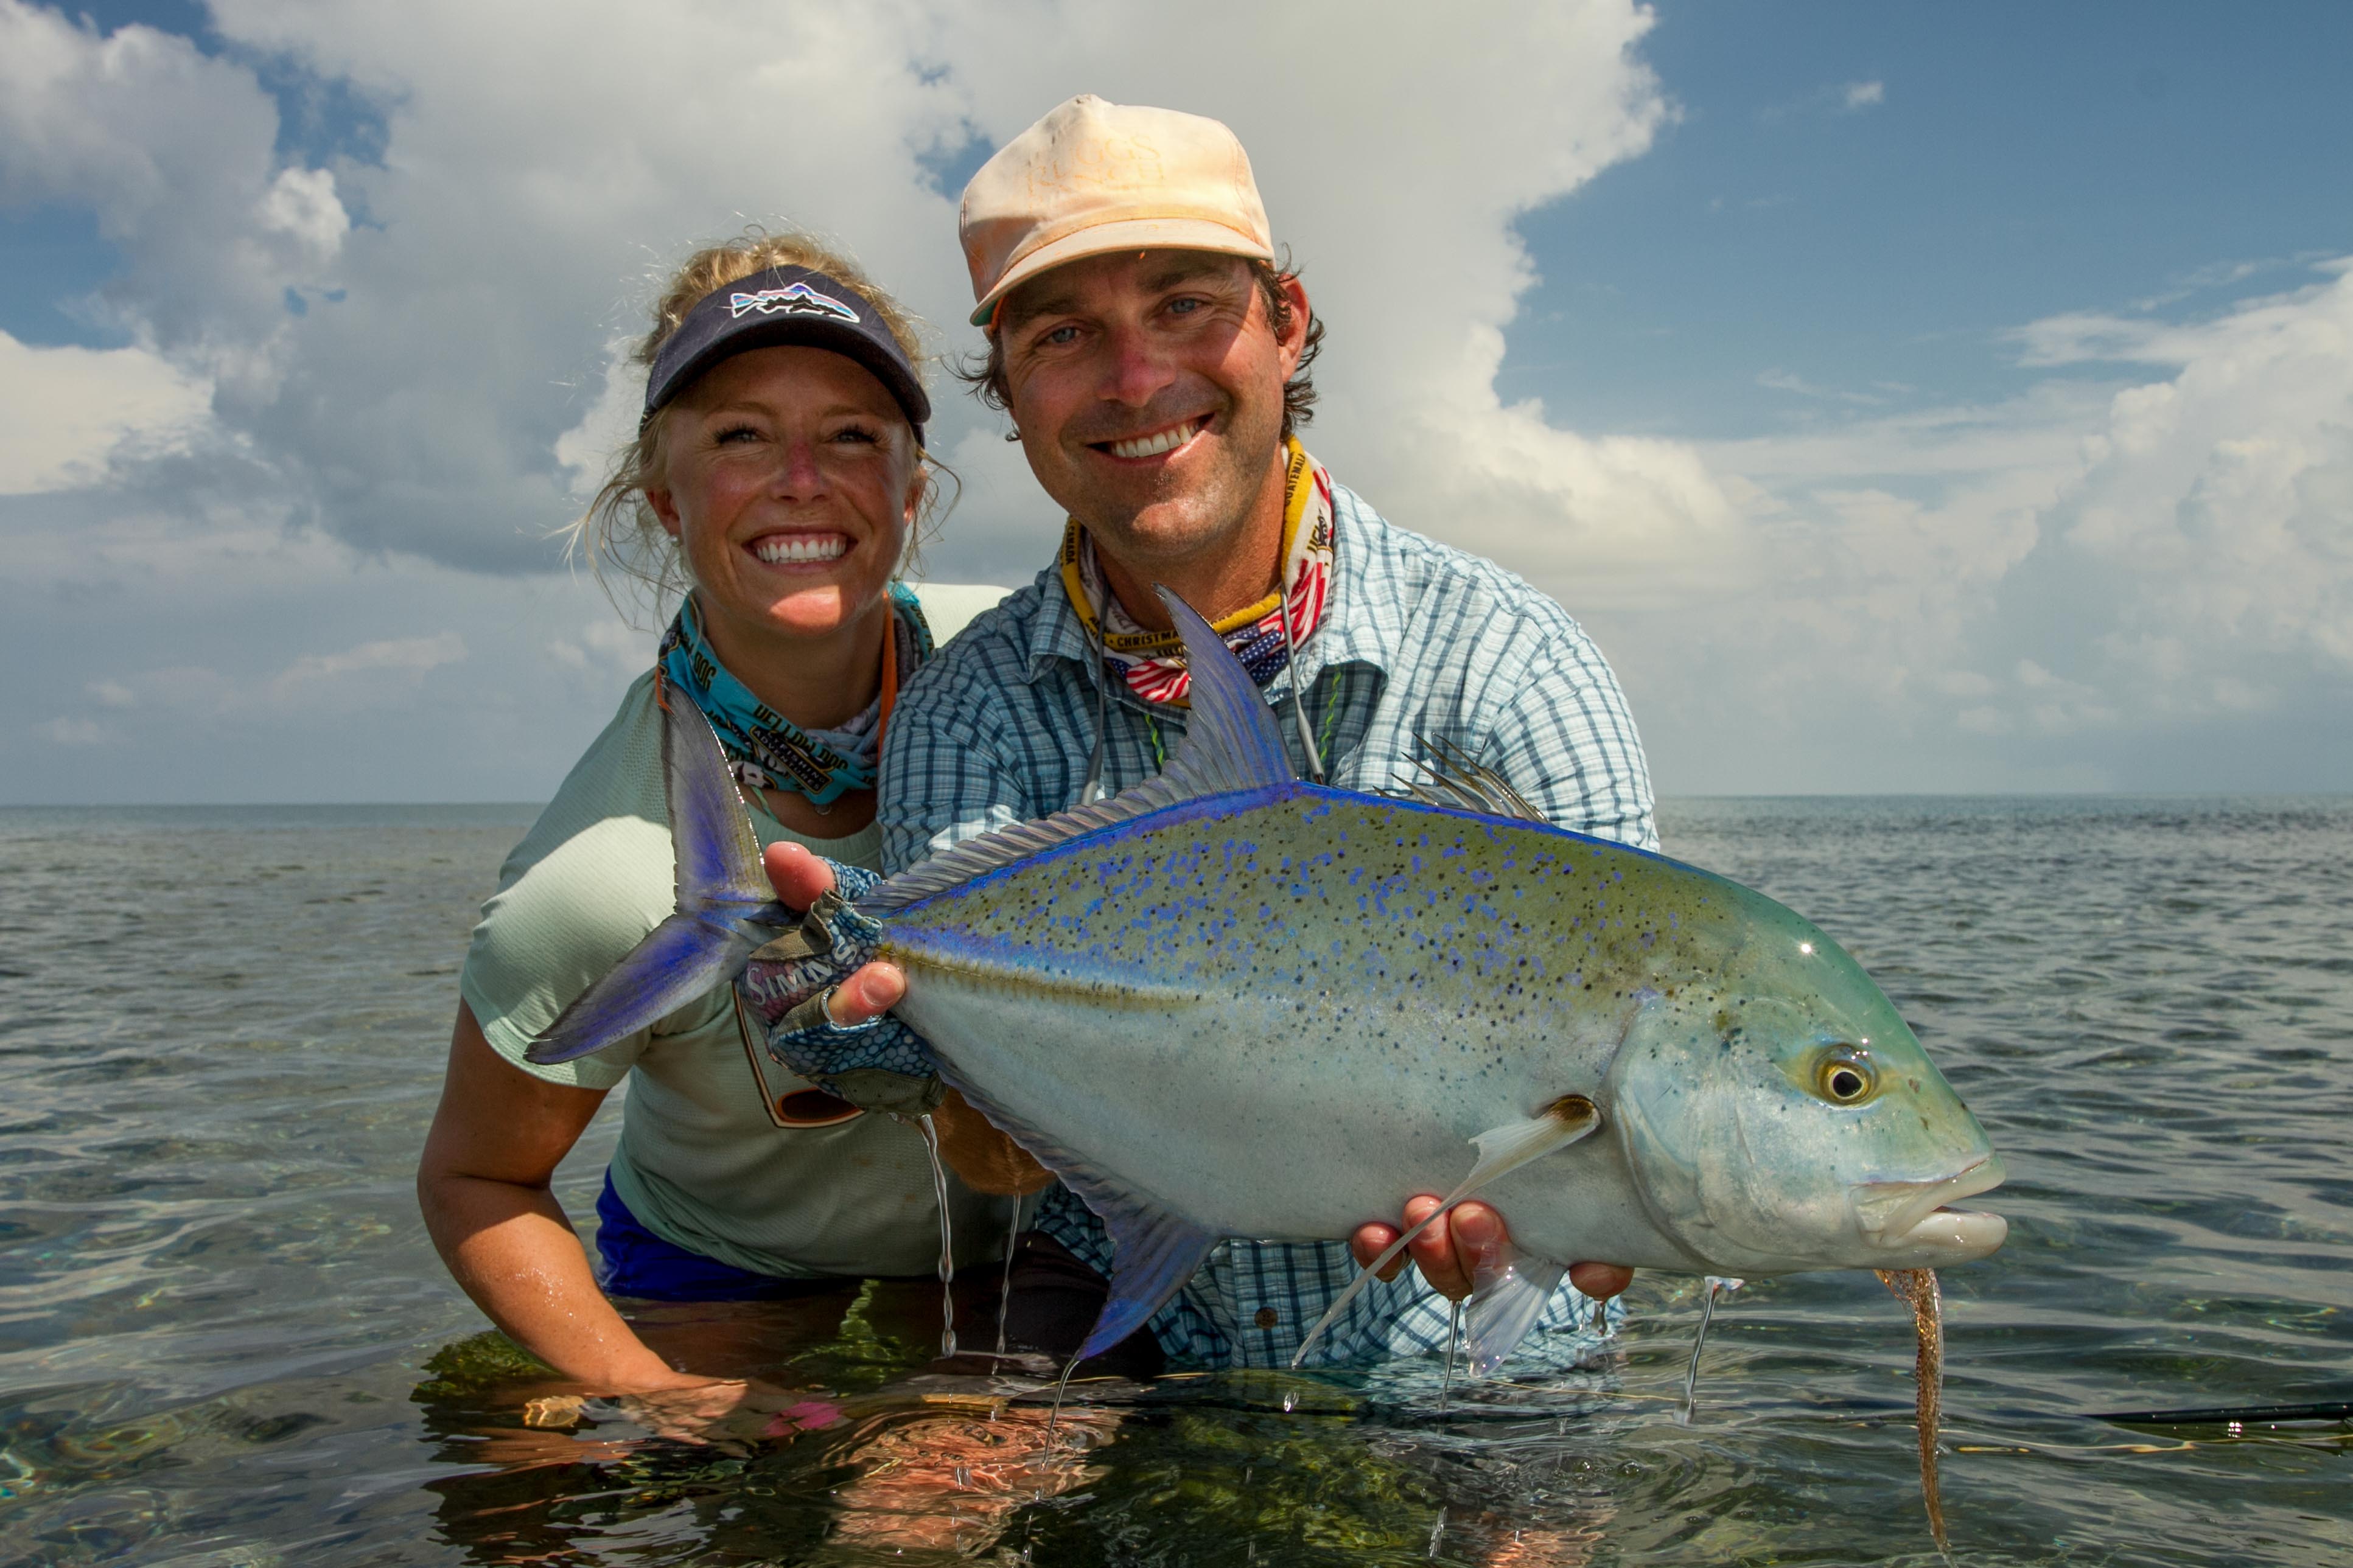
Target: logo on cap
793, 299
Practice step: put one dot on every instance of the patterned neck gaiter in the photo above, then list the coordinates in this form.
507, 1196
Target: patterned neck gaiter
1153, 663
764, 749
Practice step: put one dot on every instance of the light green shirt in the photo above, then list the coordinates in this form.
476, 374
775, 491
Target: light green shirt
698, 1162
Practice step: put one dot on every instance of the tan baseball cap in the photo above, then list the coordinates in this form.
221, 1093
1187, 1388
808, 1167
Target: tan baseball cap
1093, 177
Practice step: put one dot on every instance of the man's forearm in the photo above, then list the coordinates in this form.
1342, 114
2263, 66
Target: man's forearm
987, 1159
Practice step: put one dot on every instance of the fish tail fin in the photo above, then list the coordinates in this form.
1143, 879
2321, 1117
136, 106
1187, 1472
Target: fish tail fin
686, 956
711, 832
720, 884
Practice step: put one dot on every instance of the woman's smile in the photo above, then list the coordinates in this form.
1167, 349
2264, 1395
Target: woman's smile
812, 548
794, 479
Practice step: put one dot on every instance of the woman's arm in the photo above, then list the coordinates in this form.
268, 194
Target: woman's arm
483, 1185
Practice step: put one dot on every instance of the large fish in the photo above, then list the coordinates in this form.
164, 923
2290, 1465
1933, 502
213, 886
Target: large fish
1226, 1003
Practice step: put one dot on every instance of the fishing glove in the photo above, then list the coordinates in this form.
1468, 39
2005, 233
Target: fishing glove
881, 1065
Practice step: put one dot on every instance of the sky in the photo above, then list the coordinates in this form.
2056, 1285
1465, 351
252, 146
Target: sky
1906, 398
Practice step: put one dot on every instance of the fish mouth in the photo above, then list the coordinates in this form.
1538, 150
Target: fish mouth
1911, 1216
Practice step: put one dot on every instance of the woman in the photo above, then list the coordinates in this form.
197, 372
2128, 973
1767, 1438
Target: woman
779, 474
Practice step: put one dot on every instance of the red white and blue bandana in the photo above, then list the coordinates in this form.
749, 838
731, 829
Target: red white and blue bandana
1153, 663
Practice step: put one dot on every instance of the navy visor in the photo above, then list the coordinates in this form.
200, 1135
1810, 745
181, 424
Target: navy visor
785, 305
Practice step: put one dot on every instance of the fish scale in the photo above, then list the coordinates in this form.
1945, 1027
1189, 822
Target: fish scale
1275, 916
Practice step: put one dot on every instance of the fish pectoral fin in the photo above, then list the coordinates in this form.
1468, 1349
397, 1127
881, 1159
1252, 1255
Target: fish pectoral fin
1508, 1293
1513, 1144
1501, 1149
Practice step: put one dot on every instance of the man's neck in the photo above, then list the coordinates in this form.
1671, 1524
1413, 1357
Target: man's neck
1243, 566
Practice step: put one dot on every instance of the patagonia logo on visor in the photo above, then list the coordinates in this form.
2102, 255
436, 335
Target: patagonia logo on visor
793, 299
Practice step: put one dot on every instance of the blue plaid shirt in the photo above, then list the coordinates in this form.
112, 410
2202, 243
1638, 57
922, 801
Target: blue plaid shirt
1420, 640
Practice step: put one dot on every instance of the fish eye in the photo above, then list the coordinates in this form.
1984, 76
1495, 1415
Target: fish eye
1844, 1076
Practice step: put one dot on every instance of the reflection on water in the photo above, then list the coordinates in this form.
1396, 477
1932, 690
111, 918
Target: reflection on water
224, 1340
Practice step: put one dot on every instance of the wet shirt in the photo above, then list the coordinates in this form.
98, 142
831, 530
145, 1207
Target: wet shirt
1420, 640
699, 1161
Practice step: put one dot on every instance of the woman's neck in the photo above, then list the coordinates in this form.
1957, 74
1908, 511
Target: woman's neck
819, 682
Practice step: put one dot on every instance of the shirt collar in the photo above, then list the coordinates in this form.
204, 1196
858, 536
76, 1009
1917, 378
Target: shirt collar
1359, 628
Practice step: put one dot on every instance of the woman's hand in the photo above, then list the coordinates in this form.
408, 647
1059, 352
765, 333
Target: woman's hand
1455, 1249
727, 1411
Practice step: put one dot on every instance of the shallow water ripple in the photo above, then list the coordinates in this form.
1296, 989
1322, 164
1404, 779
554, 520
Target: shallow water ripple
224, 1340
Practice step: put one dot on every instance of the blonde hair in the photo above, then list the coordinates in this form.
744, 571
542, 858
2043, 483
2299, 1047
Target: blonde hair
619, 532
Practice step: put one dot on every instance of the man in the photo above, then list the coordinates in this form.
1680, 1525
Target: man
1154, 358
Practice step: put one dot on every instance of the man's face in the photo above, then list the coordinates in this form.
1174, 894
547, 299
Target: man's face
1148, 391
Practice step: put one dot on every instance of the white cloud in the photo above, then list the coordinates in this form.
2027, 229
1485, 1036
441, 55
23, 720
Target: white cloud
70, 732
174, 152
404, 658
2157, 523
465, 389
2134, 554
68, 415
605, 645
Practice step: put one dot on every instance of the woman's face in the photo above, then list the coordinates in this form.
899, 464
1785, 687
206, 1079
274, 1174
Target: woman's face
790, 482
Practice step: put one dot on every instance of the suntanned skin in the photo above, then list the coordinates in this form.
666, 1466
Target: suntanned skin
1130, 345
776, 442
792, 443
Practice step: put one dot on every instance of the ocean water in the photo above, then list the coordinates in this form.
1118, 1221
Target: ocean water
224, 1338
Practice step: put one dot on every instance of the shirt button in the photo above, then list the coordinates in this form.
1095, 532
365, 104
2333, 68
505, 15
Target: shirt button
1267, 1317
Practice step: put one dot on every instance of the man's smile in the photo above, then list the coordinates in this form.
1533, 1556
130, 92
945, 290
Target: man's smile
1156, 443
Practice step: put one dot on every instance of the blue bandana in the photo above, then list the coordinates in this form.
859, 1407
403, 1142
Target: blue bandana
764, 749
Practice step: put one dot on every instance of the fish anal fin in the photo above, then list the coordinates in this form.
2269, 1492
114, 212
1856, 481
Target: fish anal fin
1153, 1255
1154, 1251
1501, 1149
1508, 1293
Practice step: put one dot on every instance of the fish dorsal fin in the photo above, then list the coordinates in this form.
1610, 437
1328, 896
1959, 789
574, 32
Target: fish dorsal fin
1231, 744
1457, 781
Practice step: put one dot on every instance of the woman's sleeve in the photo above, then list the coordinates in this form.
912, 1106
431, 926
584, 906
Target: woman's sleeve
558, 922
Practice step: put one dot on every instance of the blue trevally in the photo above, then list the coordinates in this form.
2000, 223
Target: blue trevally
1229, 1003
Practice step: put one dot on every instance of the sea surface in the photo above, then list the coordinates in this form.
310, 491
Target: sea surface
225, 1338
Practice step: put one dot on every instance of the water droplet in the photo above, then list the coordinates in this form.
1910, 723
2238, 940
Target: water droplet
1005, 1289
947, 1238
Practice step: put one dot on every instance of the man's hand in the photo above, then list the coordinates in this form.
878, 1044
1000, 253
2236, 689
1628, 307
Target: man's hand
1455, 1247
